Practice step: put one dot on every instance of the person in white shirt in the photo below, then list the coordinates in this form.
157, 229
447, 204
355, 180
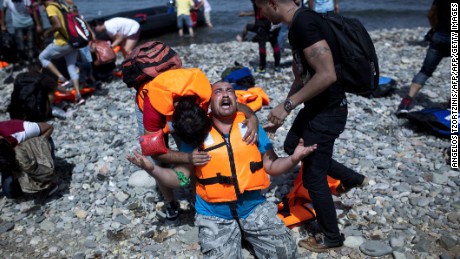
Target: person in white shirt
123, 31
13, 133
207, 12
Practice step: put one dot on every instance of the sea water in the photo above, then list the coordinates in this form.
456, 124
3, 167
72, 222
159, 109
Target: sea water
373, 14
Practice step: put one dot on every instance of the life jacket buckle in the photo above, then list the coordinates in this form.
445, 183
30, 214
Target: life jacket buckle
255, 166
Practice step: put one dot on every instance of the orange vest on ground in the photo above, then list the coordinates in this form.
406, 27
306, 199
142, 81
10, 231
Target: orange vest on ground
297, 207
254, 97
234, 167
3, 64
70, 95
164, 89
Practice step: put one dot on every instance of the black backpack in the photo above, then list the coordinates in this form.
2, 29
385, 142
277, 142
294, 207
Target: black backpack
358, 68
29, 101
8, 50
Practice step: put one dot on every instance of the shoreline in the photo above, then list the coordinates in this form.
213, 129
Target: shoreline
412, 204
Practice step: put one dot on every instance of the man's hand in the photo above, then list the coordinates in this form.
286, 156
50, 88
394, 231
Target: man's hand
301, 151
46, 33
142, 161
251, 135
278, 115
199, 158
39, 29
270, 129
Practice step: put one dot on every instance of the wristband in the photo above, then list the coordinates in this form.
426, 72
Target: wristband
184, 180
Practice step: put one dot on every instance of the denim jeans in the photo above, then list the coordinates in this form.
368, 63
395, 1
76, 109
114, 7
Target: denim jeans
322, 129
54, 51
86, 68
10, 186
439, 48
282, 35
25, 45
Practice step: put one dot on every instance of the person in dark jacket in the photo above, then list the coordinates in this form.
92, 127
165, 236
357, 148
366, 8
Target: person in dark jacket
439, 17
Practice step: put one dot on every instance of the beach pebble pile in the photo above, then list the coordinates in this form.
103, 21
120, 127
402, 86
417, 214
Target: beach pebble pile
108, 208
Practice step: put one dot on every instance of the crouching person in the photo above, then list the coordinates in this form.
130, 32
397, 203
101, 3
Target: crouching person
26, 158
229, 202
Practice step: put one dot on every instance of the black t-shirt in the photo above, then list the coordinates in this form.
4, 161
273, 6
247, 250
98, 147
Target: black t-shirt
443, 15
308, 28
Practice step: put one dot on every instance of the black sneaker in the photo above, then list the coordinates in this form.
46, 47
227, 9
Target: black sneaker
341, 189
406, 104
172, 211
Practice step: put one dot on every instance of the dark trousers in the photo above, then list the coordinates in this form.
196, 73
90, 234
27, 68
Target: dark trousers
264, 35
322, 129
10, 186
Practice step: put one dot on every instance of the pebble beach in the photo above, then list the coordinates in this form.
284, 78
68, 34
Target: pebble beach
108, 208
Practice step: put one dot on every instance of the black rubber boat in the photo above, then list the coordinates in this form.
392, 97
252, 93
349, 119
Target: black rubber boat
155, 20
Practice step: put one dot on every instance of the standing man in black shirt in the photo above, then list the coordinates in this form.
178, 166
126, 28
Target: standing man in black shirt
324, 114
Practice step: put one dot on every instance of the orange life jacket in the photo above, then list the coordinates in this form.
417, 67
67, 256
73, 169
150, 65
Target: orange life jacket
164, 89
253, 97
234, 168
70, 95
297, 206
3, 64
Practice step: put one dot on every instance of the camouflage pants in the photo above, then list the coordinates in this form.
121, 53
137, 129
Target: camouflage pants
270, 238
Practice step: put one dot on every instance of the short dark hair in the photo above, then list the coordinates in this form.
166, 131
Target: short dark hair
191, 123
7, 157
96, 22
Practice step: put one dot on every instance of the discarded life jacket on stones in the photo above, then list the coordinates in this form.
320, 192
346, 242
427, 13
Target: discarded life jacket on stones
297, 206
253, 97
168, 86
71, 95
235, 167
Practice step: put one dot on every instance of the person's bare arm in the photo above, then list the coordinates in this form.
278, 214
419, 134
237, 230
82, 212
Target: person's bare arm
275, 165
117, 40
201, 4
196, 158
45, 129
319, 57
246, 14
165, 176
2, 18
37, 19
55, 26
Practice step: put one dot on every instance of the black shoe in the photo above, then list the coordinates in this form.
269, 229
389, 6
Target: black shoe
319, 246
172, 211
341, 189
406, 104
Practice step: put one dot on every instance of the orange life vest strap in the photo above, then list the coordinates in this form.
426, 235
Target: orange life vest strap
217, 179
